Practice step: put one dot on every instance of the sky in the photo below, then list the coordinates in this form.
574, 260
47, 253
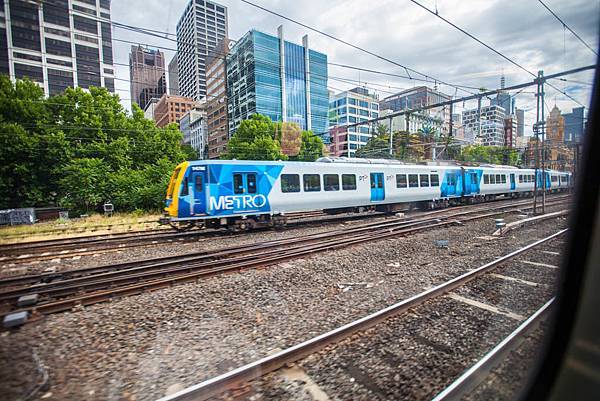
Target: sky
401, 31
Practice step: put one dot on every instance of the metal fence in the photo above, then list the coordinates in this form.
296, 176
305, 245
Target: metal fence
15, 217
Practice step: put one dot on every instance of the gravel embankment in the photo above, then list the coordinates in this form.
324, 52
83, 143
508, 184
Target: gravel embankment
144, 346
508, 380
418, 354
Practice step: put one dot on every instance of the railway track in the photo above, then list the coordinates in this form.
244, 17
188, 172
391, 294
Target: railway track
56, 292
36, 251
340, 359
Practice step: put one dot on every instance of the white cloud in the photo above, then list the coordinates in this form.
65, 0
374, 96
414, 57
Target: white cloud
403, 32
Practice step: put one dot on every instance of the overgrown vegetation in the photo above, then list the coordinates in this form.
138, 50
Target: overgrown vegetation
80, 149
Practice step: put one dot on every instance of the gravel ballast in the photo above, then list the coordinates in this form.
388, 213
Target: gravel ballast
142, 346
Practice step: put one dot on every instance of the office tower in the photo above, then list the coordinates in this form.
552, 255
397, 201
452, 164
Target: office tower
146, 75
282, 80
202, 25
57, 43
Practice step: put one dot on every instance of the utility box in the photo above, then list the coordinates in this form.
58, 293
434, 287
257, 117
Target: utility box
108, 209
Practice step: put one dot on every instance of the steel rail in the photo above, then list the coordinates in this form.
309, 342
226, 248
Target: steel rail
139, 279
23, 279
477, 373
234, 250
253, 370
210, 262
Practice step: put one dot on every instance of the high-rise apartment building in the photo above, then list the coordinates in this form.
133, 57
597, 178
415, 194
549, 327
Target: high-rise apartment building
57, 43
146, 75
170, 109
421, 96
484, 126
173, 76
349, 107
202, 25
282, 80
216, 99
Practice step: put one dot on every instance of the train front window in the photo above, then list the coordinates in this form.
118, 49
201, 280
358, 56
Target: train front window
184, 187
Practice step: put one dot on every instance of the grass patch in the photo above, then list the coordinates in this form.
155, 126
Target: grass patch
93, 224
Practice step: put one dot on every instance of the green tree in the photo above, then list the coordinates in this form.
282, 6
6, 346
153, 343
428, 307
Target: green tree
489, 154
255, 140
81, 148
378, 147
311, 148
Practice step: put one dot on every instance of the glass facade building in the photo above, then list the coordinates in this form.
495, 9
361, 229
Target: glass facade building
57, 44
282, 80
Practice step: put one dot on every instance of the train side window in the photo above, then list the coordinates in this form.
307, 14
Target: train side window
251, 182
401, 181
312, 182
331, 182
435, 180
348, 182
554, 178
503, 176
413, 180
238, 184
498, 179
486, 179
198, 183
290, 183
184, 187
474, 179
492, 179
424, 180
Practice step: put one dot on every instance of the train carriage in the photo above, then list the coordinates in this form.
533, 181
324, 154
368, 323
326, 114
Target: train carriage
245, 194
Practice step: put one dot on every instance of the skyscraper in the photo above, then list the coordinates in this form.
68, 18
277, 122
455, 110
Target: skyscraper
282, 80
216, 99
173, 76
146, 75
57, 43
202, 25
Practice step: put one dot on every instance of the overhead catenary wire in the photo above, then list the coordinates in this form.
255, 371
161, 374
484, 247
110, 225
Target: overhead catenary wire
490, 48
407, 69
564, 24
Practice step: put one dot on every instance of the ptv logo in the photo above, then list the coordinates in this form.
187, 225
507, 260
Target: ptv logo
238, 202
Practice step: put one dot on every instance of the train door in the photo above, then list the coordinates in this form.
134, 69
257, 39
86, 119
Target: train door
197, 189
244, 183
451, 187
513, 185
377, 188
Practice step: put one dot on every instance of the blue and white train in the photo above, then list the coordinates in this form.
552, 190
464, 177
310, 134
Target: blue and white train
246, 194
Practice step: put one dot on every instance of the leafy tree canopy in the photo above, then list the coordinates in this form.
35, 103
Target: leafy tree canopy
80, 149
259, 138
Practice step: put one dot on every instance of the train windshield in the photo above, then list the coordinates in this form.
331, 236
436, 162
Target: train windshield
297, 200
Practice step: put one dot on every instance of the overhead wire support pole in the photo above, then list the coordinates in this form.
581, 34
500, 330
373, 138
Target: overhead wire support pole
543, 126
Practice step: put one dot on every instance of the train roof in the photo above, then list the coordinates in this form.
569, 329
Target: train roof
357, 161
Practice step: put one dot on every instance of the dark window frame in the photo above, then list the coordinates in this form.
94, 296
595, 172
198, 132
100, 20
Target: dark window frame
349, 186
286, 186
